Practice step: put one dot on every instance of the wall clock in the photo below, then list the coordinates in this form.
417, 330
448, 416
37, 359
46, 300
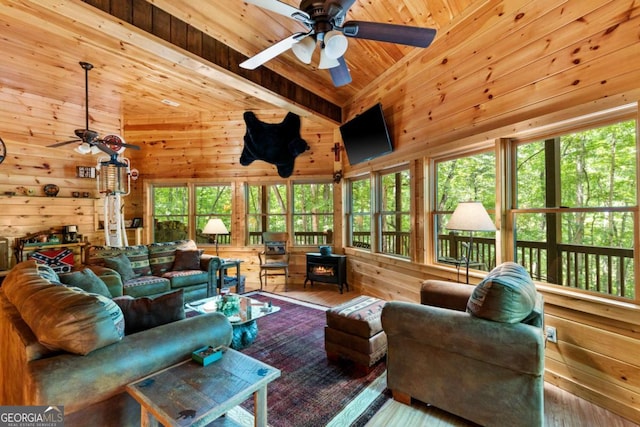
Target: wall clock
3, 150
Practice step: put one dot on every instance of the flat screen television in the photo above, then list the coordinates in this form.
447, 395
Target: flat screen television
366, 136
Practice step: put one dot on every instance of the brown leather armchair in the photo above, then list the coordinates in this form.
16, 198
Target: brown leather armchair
482, 370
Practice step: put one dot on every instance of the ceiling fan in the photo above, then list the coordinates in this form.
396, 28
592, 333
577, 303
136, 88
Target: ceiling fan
90, 141
325, 24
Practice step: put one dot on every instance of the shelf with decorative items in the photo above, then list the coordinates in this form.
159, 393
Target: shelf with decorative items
59, 247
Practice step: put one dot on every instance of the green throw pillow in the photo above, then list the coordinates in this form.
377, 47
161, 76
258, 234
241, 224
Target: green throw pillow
87, 281
507, 294
122, 265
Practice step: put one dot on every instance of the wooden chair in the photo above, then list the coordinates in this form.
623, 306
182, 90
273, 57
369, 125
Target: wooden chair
274, 259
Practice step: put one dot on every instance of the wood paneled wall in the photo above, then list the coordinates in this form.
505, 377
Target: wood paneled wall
27, 124
516, 66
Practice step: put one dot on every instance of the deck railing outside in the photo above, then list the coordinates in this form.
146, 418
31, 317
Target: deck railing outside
598, 269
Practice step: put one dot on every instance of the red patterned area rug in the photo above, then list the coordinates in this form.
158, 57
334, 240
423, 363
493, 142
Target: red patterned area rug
311, 391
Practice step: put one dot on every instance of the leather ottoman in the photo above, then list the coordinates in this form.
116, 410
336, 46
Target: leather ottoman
354, 332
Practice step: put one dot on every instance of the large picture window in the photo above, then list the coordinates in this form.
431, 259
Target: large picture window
313, 213
170, 213
213, 201
395, 213
360, 213
266, 210
574, 209
470, 178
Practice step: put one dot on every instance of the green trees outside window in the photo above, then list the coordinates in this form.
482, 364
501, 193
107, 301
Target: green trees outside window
170, 213
213, 201
574, 209
360, 212
470, 178
313, 213
395, 212
266, 210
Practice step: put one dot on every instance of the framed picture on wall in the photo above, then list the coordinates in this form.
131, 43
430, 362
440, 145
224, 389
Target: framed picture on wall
136, 222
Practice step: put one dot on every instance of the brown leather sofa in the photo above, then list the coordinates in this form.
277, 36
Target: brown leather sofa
485, 371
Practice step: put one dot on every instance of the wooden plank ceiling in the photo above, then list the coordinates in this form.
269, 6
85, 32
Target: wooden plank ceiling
43, 41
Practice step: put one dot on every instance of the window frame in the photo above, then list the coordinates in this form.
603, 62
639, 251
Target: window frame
320, 239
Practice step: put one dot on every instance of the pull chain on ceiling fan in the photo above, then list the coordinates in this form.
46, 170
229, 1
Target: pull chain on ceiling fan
90, 141
325, 24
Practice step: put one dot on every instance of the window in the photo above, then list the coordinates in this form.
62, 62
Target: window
574, 209
170, 213
360, 213
266, 210
213, 201
471, 178
396, 212
313, 213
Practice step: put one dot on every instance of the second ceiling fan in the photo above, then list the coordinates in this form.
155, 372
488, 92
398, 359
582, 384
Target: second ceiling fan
325, 26
90, 141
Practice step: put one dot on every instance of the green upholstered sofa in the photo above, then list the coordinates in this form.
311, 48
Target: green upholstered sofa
488, 371
46, 329
156, 269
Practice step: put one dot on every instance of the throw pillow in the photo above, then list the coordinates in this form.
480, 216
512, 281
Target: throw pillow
187, 260
506, 295
87, 281
61, 317
122, 265
148, 312
48, 273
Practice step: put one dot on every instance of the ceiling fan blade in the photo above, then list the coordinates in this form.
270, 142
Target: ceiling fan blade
60, 144
133, 147
337, 9
104, 148
282, 8
392, 33
340, 74
272, 51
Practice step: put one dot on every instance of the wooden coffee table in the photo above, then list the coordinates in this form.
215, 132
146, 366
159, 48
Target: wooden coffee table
189, 394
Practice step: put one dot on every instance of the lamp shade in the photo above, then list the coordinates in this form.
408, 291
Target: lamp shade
215, 226
326, 61
304, 49
335, 44
83, 148
470, 216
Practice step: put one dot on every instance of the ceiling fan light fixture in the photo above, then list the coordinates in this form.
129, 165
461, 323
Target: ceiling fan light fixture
326, 61
83, 148
95, 150
304, 49
335, 44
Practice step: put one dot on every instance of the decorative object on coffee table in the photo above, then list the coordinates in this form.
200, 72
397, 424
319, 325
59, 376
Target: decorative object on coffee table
241, 311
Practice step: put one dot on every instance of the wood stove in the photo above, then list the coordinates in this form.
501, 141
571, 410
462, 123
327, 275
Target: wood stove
327, 269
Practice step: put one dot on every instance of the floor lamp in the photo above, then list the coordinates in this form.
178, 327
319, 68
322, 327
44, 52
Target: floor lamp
470, 216
215, 226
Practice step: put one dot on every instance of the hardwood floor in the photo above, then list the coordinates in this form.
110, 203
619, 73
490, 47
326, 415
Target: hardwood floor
562, 409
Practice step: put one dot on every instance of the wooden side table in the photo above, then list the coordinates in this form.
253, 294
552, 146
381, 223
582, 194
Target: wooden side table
226, 264
192, 394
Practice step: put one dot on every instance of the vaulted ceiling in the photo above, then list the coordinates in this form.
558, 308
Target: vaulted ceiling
132, 44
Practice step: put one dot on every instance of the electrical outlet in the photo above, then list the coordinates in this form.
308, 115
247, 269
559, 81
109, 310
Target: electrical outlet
551, 333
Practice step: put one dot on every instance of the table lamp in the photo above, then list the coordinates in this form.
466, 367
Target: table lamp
215, 226
470, 216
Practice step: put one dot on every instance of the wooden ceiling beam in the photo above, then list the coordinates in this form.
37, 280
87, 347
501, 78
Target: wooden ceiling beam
262, 83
